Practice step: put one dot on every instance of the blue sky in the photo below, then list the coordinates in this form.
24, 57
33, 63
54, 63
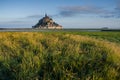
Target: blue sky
68, 13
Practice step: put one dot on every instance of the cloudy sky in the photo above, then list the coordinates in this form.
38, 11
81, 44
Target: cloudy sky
68, 13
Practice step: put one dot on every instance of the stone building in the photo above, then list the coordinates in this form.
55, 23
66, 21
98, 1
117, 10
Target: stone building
47, 23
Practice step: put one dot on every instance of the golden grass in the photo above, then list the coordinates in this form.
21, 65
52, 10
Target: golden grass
34, 55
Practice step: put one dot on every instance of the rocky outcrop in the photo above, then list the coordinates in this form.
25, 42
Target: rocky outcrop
47, 23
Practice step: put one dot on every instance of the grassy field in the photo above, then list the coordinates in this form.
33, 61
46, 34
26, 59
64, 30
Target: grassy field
109, 35
59, 55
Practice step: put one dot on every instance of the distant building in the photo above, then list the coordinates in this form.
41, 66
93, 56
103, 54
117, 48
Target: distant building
105, 28
47, 23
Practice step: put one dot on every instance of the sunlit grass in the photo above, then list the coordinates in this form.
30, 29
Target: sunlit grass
59, 56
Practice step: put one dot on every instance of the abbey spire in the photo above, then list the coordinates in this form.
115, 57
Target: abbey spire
46, 15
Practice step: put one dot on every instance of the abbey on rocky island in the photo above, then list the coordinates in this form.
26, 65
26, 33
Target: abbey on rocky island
47, 23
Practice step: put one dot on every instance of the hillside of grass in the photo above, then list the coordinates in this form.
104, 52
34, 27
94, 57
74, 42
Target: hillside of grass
59, 56
108, 35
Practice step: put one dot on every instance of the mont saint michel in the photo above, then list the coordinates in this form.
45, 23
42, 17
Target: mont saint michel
47, 23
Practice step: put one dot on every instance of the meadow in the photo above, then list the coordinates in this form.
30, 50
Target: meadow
60, 55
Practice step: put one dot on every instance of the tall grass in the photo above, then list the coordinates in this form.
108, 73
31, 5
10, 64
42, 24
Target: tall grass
40, 56
109, 36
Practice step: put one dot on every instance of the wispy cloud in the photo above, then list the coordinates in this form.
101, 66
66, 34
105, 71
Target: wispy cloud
73, 10
23, 21
115, 13
34, 16
69, 11
117, 10
39, 16
17, 23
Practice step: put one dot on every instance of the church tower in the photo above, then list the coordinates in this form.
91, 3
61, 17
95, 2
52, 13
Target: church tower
46, 15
